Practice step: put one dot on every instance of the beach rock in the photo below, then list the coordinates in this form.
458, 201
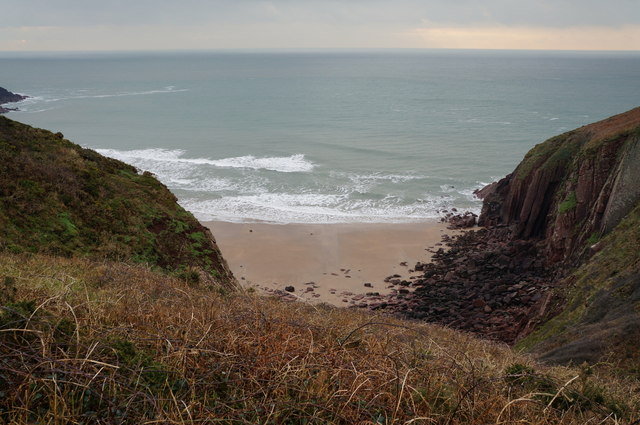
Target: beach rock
462, 221
449, 276
481, 270
284, 296
368, 285
289, 289
485, 191
478, 302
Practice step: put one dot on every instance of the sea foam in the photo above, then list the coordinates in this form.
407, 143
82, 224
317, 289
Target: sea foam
287, 164
313, 208
31, 101
249, 188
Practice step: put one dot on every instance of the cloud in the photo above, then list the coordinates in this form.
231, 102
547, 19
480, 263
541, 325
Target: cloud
502, 37
204, 24
555, 13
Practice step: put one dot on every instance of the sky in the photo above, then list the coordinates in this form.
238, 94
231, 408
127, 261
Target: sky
94, 25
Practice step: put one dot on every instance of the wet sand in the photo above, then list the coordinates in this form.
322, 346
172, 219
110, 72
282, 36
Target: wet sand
326, 262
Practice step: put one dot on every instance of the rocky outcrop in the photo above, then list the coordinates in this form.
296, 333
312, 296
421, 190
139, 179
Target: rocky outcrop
578, 196
556, 267
8, 97
571, 189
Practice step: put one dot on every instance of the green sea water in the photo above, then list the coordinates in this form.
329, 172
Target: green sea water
321, 136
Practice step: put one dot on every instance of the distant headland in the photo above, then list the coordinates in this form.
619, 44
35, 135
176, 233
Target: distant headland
8, 97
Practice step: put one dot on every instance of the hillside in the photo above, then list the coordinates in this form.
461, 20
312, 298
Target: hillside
579, 195
102, 319
557, 266
594, 315
59, 198
107, 343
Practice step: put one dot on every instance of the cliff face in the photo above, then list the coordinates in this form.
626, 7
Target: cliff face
557, 265
571, 189
58, 198
577, 196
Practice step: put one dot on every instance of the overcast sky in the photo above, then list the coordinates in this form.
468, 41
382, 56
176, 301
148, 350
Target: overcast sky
33, 25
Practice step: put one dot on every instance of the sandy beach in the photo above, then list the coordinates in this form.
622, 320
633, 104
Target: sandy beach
334, 263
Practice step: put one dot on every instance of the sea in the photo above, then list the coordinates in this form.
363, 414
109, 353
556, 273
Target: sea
320, 136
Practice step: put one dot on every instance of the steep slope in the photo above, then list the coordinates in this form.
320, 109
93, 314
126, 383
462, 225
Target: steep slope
598, 305
572, 188
578, 194
58, 198
557, 265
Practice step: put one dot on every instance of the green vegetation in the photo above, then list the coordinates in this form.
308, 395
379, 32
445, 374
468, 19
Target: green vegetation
96, 342
594, 238
568, 204
583, 395
579, 144
106, 316
603, 284
58, 198
596, 144
553, 153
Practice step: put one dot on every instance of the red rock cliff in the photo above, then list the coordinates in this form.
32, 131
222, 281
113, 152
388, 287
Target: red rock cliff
572, 189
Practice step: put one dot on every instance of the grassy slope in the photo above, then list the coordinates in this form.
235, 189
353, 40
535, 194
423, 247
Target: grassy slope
92, 342
586, 140
601, 313
58, 198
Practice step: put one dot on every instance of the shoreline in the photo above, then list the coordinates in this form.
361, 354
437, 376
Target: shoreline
9, 97
343, 264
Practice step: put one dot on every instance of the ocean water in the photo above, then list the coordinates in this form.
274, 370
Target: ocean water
320, 136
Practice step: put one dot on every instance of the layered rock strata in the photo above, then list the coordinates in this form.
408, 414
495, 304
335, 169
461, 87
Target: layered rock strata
559, 242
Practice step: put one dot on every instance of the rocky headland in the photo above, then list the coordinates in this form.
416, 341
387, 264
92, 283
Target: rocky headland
8, 97
556, 266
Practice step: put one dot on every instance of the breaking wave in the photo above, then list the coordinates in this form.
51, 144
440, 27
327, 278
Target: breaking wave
146, 157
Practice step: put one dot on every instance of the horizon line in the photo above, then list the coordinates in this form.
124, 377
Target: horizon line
313, 49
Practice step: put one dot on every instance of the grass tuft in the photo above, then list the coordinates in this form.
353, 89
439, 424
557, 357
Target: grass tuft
91, 342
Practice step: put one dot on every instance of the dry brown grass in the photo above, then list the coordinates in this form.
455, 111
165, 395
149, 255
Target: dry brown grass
111, 343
